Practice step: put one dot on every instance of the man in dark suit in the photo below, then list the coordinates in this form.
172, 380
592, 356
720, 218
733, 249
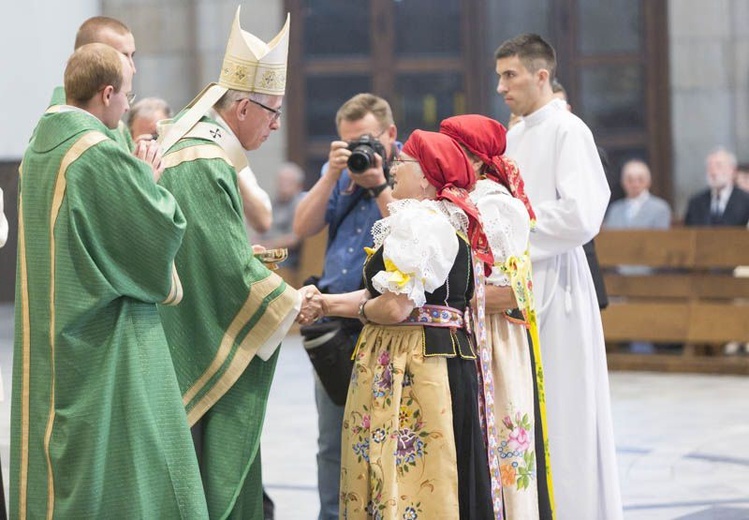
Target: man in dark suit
721, 204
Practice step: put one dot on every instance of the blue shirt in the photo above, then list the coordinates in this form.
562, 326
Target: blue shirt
345, 256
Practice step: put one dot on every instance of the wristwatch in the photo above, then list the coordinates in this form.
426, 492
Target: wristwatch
361, 313
375, 192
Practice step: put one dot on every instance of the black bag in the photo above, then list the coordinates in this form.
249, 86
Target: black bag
329, 345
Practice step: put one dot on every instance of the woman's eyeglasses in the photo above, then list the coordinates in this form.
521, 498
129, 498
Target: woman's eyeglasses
396, 163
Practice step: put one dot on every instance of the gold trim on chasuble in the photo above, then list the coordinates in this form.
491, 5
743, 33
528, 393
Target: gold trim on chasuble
247, 348
192, 153
195, 404
84, 143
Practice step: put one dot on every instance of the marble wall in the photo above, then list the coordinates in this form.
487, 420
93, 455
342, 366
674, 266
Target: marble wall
709, 55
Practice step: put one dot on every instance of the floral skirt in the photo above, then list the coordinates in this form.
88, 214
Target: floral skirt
515, 402
411, 444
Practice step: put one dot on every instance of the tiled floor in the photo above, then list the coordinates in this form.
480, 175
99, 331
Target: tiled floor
683, 440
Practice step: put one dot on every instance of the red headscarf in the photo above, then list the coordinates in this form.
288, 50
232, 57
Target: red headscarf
447, 168
486, 139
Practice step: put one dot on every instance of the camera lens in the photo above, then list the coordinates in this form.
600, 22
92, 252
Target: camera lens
361, 159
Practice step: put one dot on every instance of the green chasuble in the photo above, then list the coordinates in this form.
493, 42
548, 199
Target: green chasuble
121, 135
224, 334
98, 429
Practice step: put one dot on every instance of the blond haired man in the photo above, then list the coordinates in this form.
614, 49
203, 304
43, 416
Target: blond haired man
98, 423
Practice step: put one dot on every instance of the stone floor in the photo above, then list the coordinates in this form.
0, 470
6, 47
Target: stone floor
683, 440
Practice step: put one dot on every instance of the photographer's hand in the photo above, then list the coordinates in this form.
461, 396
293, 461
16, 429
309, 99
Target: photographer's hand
374, 180
337, 158
373, 177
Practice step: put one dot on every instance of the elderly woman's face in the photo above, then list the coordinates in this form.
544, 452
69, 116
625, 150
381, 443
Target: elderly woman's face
409, 180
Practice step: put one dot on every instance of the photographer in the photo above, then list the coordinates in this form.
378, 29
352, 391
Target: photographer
349, 200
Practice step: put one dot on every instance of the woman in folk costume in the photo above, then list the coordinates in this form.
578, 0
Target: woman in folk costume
519, 404
412, 443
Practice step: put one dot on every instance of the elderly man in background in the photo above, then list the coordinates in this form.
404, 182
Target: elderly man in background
143, 118
720, 204
639, 209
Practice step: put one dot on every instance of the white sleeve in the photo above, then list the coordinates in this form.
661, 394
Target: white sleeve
507, 226
419, 252
255, 188
582, 196
3, 222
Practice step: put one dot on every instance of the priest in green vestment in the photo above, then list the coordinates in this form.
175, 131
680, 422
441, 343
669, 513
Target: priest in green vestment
98, 429
235, 312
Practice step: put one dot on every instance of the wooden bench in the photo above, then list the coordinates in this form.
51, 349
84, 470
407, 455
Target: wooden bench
692, 297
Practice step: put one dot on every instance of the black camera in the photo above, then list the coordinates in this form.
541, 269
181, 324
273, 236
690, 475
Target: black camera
362, 154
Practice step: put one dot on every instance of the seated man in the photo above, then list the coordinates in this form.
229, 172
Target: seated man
639, 209
720, 204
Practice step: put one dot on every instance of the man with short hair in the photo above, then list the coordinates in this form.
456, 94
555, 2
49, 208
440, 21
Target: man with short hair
224, 336
98, 424
720, 204
565, 182
112, 32
348, 204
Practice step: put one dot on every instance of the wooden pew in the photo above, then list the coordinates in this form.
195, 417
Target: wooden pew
691, 298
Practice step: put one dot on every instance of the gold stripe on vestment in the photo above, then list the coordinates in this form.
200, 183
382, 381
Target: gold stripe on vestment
247, 349
193, 153
23, 473
84, 143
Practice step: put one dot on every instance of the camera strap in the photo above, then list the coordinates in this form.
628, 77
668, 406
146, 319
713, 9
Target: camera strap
333, 228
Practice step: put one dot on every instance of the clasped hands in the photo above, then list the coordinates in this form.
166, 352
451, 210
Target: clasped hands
149, 151
313, 305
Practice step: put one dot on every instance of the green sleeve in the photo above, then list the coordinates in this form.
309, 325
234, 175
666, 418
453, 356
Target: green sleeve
129, 226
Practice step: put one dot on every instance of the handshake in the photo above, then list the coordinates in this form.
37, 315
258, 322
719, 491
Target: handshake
313, 305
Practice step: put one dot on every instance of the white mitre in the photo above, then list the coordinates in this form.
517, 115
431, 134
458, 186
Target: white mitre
250, 65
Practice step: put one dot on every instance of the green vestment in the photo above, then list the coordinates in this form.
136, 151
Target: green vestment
98, 429
223, 335
121, 135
